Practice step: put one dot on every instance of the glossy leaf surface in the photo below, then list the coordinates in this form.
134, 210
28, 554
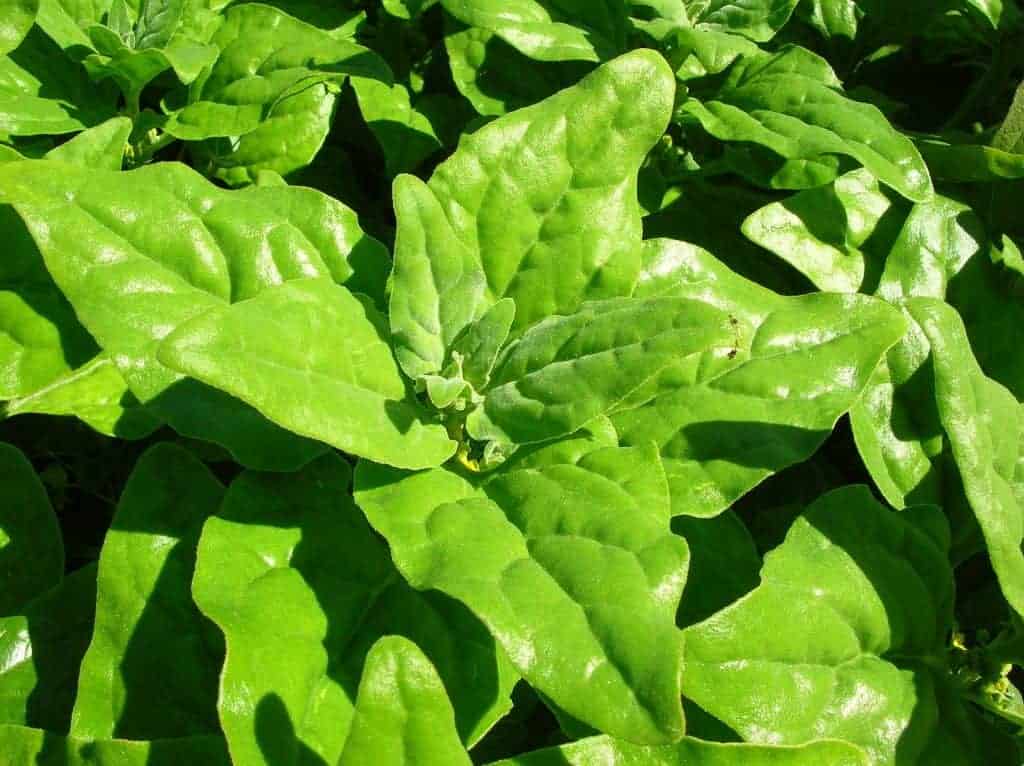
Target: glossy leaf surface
536, 553
289, 682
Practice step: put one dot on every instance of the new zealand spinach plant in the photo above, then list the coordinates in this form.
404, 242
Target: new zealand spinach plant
519, 382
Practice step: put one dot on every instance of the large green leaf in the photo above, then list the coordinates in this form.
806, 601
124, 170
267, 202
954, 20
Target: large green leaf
102, 147
31, 547
43, 92
271, 90
139, 253
981, 420
22, 745
316, 359
820, 231
792, 104
96, 394
845, 638
145, 619
18, 16
302, 588
566, 555
567, 370
729, 418
539, 206
402, 713
690, 752
550, 30
41, 651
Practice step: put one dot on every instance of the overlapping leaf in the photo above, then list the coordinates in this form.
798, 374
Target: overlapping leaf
565, 554
538, 206
145, 619
727, 419
844, 639
289, 682
139, 253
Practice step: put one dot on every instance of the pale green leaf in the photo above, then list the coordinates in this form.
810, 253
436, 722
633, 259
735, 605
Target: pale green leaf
727, 419
315, 359
271, 90
17, 19
820, 231
139, 253
43, 92
96, 394
539, 206
567, 370
550, 30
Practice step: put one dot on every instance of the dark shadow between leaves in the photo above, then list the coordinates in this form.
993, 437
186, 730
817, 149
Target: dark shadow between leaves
275, 734
766, 446
199, 655
60, 625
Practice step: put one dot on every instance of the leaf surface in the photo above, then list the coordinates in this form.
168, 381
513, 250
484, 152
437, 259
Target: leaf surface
145, 619
31, 546
302, 588
727, 419
402, 712
568, 560
315, 359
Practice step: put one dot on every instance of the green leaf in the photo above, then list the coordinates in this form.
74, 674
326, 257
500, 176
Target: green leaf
402, 713
18, 16
539, 206
43, 92
690, 752
404, 133
567, 370
22, 745
315, 359
302, 588
568, 559
727, 419
479, 345
101, 147
791, 103
758, 20
146, 622
820, 231
496, 78
271, 90
31, 547
96, 394
981, 420
42, 649
959, 159
844, 638
550, 30
139, 253
40, 337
